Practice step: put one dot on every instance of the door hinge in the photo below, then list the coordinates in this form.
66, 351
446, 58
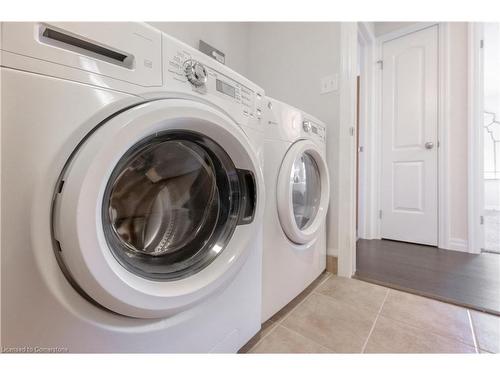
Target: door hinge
481, 43
380, 64
360, 149
380, 214
481, 220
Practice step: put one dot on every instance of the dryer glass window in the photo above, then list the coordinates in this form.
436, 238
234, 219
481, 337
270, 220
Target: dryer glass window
171, 205
306, 190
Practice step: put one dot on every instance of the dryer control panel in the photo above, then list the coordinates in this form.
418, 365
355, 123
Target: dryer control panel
314, 130
189, 70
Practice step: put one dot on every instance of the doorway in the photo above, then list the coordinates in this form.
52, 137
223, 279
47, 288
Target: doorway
409, 159
490, 179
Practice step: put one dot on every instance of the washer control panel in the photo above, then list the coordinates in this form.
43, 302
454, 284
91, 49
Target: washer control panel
199, 77
195, 72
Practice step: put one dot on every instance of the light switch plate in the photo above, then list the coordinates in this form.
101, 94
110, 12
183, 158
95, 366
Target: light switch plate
329, 83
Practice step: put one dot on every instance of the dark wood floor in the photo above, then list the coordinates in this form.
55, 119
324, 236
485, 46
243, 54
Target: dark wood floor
456, 277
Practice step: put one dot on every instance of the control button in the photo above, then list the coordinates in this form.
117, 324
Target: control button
259, 96
270, 105
259, 112
195, 73
306, 125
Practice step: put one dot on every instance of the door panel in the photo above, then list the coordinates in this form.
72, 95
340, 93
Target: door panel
408, 186
409, 123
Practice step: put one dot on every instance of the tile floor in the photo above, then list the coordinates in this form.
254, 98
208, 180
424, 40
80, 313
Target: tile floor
339, 315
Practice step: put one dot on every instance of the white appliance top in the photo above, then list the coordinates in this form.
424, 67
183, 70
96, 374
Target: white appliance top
287, 123
130, 57
124, 51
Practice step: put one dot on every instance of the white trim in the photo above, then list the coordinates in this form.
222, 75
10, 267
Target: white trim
332, 251
347, 152
443, 135
404, 31
475, 138
458, 244
367, 209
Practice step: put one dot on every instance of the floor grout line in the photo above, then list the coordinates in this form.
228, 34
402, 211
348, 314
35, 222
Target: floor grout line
473, 331
374, 322
259, 341
441, 334
330, 275
434, 332
307, 338
304, 300
277, 324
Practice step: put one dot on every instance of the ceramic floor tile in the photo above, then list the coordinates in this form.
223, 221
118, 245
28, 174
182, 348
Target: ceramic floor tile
354, 292
280, 315
331, 323
266, 328
390, 336
487, 330
427, 314
283, 340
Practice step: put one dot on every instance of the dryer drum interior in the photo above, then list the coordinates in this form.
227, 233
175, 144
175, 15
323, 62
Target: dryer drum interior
306, 190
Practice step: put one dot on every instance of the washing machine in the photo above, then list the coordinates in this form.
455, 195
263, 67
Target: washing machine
297, 195
132, 193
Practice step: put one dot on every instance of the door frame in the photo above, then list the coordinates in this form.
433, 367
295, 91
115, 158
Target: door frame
346, 165
374, 138
475, 137
367, 208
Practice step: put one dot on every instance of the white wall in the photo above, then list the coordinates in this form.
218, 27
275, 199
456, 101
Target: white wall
229, 37
288, 61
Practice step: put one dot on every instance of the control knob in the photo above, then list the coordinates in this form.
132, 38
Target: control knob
306, 125
195, 72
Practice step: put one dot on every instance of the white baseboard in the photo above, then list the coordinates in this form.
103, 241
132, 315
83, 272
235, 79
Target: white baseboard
457, 244
332, 252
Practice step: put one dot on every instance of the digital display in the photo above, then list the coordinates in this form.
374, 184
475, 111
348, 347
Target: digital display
225, 88
315, 130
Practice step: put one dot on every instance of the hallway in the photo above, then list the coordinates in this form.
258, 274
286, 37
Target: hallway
461, 278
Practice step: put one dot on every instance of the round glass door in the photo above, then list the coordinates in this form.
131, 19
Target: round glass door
171, 205
303, 186
306, 190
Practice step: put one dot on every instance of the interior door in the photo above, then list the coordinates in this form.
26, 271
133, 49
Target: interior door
409, 138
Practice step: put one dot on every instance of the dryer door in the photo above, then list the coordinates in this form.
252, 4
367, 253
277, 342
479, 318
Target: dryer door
303, 191
157, 208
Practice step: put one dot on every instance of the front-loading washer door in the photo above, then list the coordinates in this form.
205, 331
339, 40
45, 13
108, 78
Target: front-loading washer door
157, 208
302, 192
